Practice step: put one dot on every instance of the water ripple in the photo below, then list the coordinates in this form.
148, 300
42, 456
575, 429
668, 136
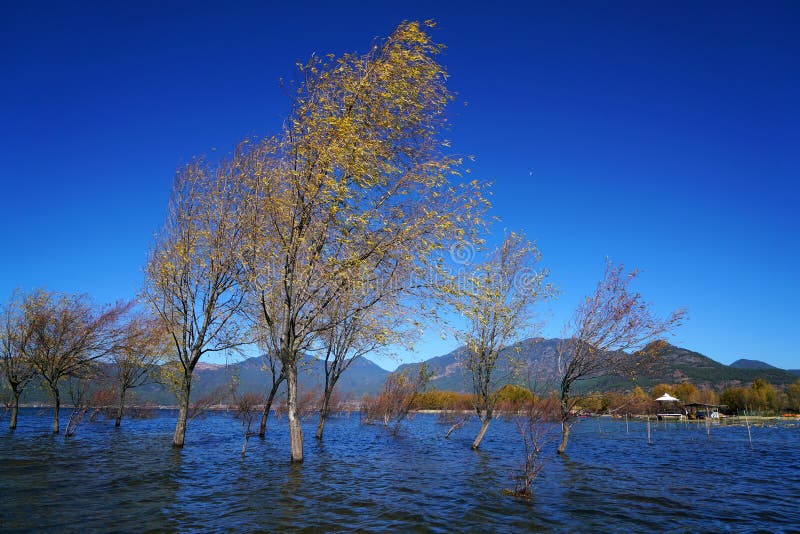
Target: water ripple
361, 479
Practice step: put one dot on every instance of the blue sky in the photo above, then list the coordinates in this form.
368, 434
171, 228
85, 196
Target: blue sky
663, 135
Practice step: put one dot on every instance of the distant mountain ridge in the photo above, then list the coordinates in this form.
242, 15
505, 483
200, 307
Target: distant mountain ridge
531, 361
744, 363
537, 357
534, 356
362, 376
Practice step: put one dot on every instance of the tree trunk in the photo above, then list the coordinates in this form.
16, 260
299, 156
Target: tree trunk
458, 424
295, 431
484, 427
323, 414
57, 402
183, 412
262, 429
14, 411
121, 407
564, 436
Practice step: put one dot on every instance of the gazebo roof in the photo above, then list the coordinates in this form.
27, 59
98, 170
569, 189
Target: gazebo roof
666, 397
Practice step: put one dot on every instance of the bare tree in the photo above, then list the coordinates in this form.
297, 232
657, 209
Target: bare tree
141, 349
67, 335
535, 428
78, 389
355, 183
194, 272
246, 405
15, 335
308, 402
396, 399
103, 400
357, 328
496, 298
218, 396
613, 331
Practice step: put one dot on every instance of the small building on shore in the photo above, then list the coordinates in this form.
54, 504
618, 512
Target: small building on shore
701, 410
669, 407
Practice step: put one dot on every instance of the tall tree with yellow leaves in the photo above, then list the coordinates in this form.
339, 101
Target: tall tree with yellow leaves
355, 183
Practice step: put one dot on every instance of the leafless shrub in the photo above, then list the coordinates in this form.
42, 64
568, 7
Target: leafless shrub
101, 402
141, 412
395, 401
77, 387
247, 406
213, 398
307, 403
536, 429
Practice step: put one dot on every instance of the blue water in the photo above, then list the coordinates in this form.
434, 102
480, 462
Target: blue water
361, 478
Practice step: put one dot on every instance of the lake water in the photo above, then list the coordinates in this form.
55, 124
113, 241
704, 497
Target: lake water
363, 479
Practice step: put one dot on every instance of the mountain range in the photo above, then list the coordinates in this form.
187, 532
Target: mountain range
538, 357
535, 355
756, 364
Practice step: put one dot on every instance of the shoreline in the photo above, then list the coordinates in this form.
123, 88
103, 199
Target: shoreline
634, 417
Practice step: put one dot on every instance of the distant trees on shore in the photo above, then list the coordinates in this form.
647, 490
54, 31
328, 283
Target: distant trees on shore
760, 398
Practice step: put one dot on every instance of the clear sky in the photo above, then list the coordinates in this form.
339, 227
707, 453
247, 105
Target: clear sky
665, 135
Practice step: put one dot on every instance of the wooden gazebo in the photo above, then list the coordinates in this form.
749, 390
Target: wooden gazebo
668, 407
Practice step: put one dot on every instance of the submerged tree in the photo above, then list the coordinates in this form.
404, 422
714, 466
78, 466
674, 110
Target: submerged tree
264, 303
246, 404
536, 430
357, 328
272, 365
613, 331
496, 301
67, 335
396, 399
15, 335
142, 347
78, 390
356, 183
194, 272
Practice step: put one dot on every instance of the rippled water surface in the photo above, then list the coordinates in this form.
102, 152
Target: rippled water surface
363, 479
